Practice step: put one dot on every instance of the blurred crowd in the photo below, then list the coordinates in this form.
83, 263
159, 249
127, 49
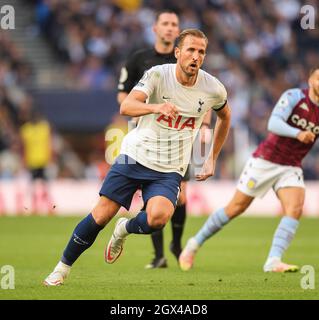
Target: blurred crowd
14, 71
257, 48
17, 110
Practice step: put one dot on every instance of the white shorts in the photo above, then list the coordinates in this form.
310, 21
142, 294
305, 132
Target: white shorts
260, 175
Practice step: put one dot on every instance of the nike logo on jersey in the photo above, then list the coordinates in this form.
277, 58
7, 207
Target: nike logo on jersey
165, 98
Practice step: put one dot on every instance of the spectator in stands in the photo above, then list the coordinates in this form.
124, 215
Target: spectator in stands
37, 151
258, 49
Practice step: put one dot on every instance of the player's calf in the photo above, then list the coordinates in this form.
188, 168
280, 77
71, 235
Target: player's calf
140, 224
81, 239
105, 210
238, 204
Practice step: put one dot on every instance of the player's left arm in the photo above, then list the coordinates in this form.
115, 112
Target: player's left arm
205, 131
277, 123
220, 134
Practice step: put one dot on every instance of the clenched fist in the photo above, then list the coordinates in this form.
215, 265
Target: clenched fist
167, 109
207, 170
306, 137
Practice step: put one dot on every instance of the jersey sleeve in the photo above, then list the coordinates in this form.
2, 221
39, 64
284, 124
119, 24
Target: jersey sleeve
281, 128
221, 96
286, 103
278, 120
149, 82
128, 74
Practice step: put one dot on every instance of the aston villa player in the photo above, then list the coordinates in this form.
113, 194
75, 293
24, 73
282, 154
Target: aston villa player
276, 164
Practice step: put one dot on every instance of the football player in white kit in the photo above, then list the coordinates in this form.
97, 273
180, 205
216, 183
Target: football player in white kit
171, 101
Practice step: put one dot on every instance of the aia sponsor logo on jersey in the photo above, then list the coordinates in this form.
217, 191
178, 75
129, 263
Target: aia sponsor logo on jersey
304, 124
179, 123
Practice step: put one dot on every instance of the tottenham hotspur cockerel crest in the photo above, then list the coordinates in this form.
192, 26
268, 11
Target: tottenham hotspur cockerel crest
200, 102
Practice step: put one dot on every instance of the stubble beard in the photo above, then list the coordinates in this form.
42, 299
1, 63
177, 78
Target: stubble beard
188, 74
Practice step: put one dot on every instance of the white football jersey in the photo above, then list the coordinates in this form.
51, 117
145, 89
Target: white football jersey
164, 144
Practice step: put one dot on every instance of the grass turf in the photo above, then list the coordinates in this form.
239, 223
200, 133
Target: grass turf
229, 266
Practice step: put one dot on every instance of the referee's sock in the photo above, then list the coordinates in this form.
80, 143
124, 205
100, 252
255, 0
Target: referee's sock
157, 240
139, 224
178, 222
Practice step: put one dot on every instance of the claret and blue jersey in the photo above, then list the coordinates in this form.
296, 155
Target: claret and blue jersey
297, 110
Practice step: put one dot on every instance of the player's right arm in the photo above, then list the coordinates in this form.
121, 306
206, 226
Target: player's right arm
134, 105
306, 137
277, 123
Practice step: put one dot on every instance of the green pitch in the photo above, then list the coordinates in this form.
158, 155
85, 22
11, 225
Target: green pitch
229, 266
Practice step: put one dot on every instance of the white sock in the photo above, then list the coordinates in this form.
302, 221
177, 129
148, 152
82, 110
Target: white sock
121, 230
62, 267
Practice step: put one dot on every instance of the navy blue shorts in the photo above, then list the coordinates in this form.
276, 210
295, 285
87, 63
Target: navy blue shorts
126, 176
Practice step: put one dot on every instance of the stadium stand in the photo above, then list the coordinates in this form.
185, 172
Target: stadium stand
256, 53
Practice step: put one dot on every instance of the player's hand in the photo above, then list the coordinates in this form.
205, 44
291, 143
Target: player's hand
207, 171
306, 137
167, 109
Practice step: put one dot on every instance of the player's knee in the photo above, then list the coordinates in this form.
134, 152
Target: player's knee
294, 211
157, 224
157, 220
103, 212
99, 215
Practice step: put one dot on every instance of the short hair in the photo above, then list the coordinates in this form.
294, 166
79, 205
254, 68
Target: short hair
190, 32
312, 70
159, 13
